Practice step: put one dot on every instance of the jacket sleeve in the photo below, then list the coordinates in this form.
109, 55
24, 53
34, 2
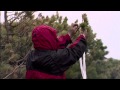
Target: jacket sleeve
64, 58
64, 40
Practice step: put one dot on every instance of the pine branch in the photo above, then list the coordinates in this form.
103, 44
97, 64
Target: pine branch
13, 71
24, 59
16, 17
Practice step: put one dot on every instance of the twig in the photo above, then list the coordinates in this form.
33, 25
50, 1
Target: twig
13, 71
16, 17
18, 65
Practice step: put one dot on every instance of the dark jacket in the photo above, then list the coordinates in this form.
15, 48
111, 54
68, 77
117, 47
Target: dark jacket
53, 63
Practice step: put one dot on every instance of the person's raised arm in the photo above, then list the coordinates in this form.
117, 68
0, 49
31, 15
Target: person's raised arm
64, 40
64, 58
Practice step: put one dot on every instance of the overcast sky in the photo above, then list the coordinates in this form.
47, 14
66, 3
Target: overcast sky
105, 23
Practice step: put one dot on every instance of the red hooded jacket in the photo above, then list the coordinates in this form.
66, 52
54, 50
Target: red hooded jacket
45, 40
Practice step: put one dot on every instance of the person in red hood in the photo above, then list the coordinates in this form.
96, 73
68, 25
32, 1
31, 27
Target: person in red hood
51, 57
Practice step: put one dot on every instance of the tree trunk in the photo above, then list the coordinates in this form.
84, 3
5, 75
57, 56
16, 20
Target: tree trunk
6, 26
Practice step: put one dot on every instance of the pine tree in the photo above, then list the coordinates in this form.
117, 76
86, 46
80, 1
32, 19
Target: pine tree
95, 50
18, 42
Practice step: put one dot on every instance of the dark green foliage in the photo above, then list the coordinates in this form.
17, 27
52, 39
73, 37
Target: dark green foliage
18, 43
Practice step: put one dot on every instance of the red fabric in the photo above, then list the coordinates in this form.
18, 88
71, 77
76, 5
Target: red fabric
63, 40
44, 38
32, 74
76, 41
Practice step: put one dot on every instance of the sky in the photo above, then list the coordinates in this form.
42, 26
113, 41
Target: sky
106, 24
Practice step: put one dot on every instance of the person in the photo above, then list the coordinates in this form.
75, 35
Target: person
51, 57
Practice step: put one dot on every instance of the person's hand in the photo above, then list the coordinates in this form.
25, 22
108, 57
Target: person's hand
73, 29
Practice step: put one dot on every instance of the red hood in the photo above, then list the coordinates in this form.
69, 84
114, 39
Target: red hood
44, 37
